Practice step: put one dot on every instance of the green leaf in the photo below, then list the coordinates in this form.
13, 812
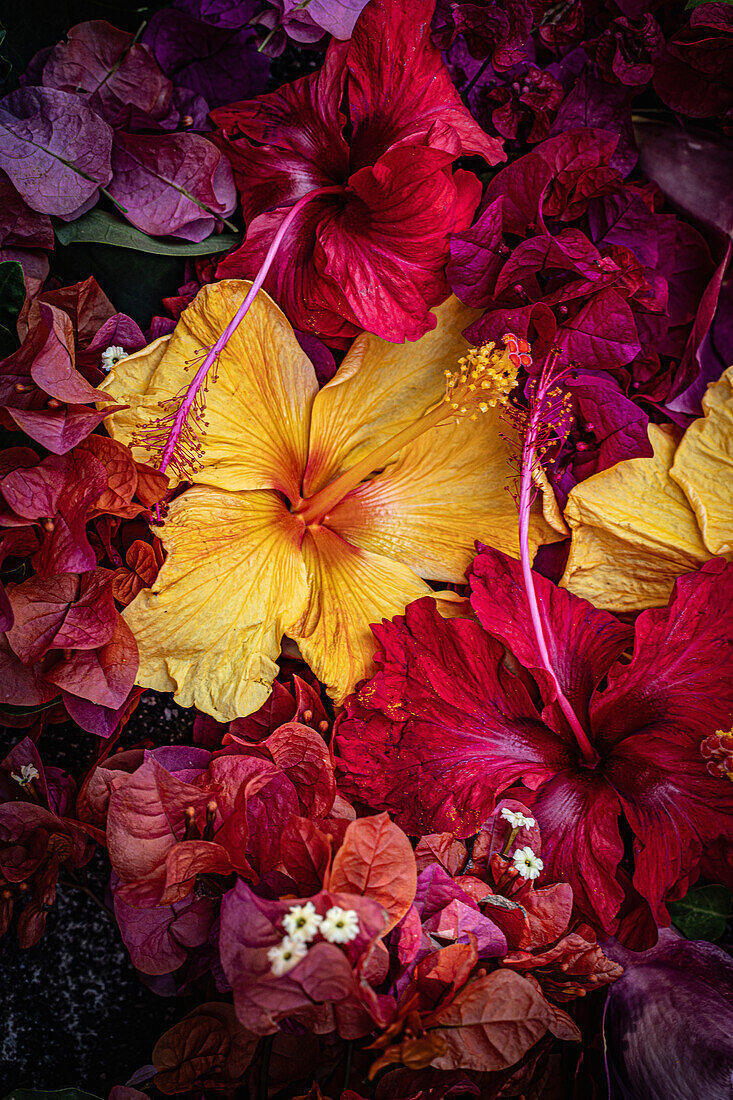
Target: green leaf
103, 227
10, 708
697, 3
702, 913
59, 1094
12, 296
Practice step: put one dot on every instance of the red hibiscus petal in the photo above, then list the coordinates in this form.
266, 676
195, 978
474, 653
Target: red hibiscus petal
395, 101
680, 680
578, 814
674, 807
435, 748
583, 642
290, 141
387, 249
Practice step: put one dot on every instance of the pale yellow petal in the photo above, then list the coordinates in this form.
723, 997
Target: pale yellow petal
128, 383
257, 410
380, 389
634, 532
350, 588
450, 487
233, 582
703, 466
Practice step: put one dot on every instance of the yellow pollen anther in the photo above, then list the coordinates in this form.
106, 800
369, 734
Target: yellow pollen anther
480, 369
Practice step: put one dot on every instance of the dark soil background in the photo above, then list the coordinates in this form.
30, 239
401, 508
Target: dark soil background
73, 1011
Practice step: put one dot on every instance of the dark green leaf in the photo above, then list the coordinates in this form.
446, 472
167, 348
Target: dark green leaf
103, 227
702, 913
696, 3
9, 708
12, 296
135, 282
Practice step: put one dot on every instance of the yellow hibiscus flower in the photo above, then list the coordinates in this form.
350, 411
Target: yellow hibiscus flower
641, 524
311, 513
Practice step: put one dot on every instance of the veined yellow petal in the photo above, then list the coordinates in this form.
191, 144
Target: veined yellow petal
128, 383
634, 532
350, 588
703, 466
448, 488
233, 583
257, 411
380, 389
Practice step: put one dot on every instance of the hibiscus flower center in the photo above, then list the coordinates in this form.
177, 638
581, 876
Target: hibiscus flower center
485, 378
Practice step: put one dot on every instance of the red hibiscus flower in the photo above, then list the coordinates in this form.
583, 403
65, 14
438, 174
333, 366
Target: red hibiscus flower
449, 722
378, 126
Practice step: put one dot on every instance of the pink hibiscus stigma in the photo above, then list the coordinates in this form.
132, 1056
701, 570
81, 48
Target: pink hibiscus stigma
601, 721
380, 125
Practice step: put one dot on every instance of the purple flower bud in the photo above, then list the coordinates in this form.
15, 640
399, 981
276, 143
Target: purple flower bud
669, 1022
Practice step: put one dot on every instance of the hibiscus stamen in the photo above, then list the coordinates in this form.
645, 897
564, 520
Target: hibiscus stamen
717, 751
548, 422
485, 378
174, 438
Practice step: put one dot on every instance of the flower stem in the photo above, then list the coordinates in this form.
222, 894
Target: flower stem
214, 352
540, 626
508, 842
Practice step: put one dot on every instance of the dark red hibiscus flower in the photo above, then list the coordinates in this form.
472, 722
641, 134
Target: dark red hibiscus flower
380, 126
449, 722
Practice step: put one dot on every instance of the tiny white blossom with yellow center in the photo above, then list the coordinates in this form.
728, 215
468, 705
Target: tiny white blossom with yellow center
340, 925
517, 820
111, 356
286, 955
301, 922
527, 863
28, 772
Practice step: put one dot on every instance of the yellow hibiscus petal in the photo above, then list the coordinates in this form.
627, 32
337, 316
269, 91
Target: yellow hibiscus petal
233, 582
380, 389
703, 466
448, 488
128, 383
257, 411
350, 588
634, 532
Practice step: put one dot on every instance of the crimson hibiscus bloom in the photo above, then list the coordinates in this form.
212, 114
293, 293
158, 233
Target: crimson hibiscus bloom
447, 724
379, 126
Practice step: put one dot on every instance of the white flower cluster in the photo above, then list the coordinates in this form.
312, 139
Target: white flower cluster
111, 356
517, 820
302, 924
28, 772
527, 863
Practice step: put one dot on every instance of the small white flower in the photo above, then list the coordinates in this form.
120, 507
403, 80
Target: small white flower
111, 356
340, 925
286, 955
27, 773
301, 922
517, 820
527, 863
